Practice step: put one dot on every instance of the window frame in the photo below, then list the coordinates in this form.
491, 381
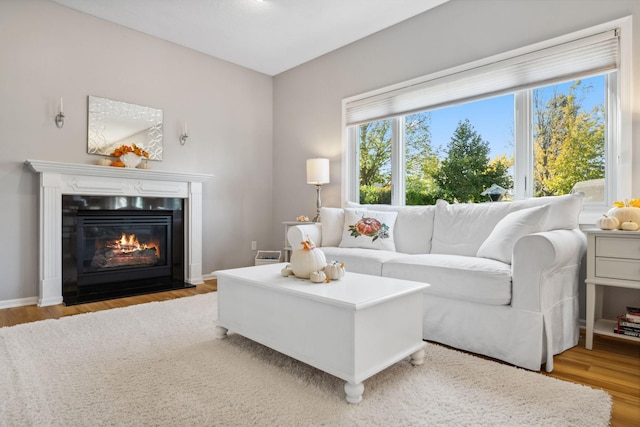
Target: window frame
618, 170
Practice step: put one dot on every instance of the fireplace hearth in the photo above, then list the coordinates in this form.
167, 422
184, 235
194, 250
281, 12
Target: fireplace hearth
116, 246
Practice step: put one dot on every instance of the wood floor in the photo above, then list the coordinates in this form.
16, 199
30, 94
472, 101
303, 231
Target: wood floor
613, 365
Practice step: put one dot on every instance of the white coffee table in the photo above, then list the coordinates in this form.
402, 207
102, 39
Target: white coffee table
351, 328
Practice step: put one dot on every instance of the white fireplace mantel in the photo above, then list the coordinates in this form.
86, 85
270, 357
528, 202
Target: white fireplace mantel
57, 179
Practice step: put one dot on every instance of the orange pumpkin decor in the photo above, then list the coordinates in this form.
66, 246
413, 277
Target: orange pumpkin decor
133, 148
369, 227
117, 163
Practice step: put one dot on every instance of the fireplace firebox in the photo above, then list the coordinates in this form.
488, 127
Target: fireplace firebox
120, 246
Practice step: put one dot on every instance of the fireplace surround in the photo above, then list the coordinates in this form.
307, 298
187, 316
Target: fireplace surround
115, 246
64, 179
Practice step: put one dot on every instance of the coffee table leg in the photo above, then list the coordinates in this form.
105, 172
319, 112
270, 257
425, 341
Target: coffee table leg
417, 358
354, 392
221, 332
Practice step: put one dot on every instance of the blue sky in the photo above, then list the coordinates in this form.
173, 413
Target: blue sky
493, 118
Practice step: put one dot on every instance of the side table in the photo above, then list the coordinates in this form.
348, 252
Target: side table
286, 248
613, 259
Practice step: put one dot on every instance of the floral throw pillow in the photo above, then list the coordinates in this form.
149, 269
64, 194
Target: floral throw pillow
368, 229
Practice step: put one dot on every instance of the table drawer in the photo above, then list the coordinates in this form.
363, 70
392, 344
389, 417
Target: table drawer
622, 269
612, 247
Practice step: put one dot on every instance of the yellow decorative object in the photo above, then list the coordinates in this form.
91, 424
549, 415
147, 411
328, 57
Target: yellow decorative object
307, 260
634, 203
104, 162
607, 222
629, 226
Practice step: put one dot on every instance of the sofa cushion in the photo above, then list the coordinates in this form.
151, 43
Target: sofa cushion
414, 226
356, 260
460, 229
499, 245
368, 229
473, 279
332, 224
564, 211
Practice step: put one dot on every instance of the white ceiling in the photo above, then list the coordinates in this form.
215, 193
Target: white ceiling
269, 36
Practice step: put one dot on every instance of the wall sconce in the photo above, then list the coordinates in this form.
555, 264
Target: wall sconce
318, 174
185, 135
60, 117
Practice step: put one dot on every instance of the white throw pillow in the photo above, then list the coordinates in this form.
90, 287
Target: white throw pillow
332, 220
413, 229
564, 211
368, 229
499, 245
461, 228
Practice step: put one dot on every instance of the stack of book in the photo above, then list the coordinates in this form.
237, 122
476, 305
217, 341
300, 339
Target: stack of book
629, 323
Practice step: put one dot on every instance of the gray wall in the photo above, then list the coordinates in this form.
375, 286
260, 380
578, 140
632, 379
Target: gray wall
251, 131
307, 99
48, 51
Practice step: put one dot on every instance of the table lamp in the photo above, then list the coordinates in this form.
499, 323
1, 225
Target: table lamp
318, 174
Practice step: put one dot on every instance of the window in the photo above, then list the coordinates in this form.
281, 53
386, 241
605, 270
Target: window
569, 139
470, 149
546, 121
374, 153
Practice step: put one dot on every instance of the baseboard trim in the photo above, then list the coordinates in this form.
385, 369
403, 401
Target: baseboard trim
20, 302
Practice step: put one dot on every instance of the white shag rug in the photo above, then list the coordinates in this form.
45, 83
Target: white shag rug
159, 364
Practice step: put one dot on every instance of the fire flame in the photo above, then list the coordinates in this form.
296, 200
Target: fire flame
129, 243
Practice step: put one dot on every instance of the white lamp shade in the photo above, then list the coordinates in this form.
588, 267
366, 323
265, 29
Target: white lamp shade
317, 171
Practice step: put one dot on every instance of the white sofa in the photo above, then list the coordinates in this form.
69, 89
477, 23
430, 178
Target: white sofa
503, 275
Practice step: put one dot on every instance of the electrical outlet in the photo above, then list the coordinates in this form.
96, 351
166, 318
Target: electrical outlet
254, 245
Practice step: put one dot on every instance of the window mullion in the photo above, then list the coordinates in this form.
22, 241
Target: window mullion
350, 164
613, 147
397, 162
523, 181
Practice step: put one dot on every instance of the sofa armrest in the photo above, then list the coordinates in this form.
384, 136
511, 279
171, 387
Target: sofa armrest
546, 268
299, 233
